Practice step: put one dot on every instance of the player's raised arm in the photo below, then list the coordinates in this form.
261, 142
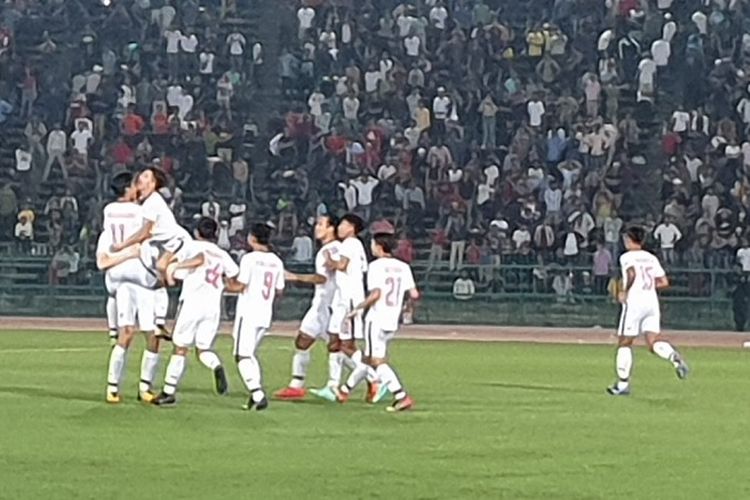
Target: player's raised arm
188, 264
336, 265
106, 261
373, 297
139, 237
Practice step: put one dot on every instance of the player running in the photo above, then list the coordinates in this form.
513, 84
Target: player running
260, 281
642, 276
350, 269
316, 320
199, 313
130, 284
388, 281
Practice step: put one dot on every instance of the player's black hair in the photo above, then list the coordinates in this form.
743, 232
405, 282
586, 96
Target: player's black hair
636, 234
207, 228
333, 221
355, 220
262, 233
120, 183
385, 241
159, 176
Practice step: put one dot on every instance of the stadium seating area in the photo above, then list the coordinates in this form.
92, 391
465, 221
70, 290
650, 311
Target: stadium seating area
493, 133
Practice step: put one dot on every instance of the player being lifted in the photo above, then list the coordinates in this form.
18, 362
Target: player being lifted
315, 322
260, 280
642, 276
130, 284
203, 273
350, 269
388, 281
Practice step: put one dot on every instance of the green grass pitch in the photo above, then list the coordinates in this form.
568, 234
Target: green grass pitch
491, 421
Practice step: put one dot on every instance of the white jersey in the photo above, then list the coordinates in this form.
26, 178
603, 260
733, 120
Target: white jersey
122, 219
205, 284
350, 283
393, 278
165, 227
647, 269
324, 293
262, 273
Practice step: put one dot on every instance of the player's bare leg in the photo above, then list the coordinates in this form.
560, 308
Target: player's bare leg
623, 366
402, 401
211, 360
149, 365
117, 359
300, 362
175, 371
660, 346
161, 308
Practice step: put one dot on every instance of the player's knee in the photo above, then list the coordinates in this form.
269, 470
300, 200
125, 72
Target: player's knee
375, 362
303, 342
625, 341
334, 344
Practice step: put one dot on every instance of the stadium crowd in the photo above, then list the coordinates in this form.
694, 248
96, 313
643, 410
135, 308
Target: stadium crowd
488, 131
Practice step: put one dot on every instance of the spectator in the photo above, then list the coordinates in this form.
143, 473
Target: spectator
455, 230
364, 186
24, 234
603, 264
82, 138
463, 286
64, 266
211, 208
667, 234
562, 284
302, 246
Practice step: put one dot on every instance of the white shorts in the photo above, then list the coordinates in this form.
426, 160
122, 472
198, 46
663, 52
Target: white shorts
376, 340
346, 329
195, 327
132, 271
316, 321
135, 307
637, 319
246, 337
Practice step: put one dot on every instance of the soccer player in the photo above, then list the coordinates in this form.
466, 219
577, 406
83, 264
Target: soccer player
200, 308
130, 283
350, 269
260, 281
642, 276
388, 281
316, 320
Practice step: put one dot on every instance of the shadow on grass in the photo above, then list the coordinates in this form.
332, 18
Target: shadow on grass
536, 387
43, 392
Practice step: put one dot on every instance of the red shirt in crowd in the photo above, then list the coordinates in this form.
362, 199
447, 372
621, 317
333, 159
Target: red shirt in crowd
122, 154
132, 124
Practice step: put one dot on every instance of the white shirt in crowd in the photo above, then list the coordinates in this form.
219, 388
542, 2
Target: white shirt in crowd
667, 234
315, 102
438, 15
365, 189
204, 285
411, 44
303, 249
463, 289
393, 278
351, 107
681, 121
236, 42
57, 141
305, 15
743, 109
661, 50
647, 269
701, 22
189, 44
372, 78
206, 60
536, 112
646, 71
211, 209
743, 257
81, 140
23, 160
174, 37
441, 107
262, 273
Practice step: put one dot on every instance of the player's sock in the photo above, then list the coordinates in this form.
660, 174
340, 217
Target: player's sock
624, 365
250, 373
665, 351
175, 369
116, 364
357, 375
300, 362
346, 360
149, 364
209, 359
390, 379
161, 306
335, 365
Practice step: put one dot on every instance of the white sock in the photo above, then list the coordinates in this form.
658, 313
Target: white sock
300, 362
209, 359
372, 375
623, 365
335, 365
112, 317
161, 306
346, 360
116, 364
391, 381
175, 369
250, 372
665, 351
149, 364
357, 375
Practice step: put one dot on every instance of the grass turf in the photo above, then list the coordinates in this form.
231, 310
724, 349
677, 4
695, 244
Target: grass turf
491, 421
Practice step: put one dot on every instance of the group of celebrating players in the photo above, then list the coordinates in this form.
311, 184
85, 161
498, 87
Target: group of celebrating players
143, 250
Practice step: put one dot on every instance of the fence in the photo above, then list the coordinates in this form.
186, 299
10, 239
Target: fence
507, 294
